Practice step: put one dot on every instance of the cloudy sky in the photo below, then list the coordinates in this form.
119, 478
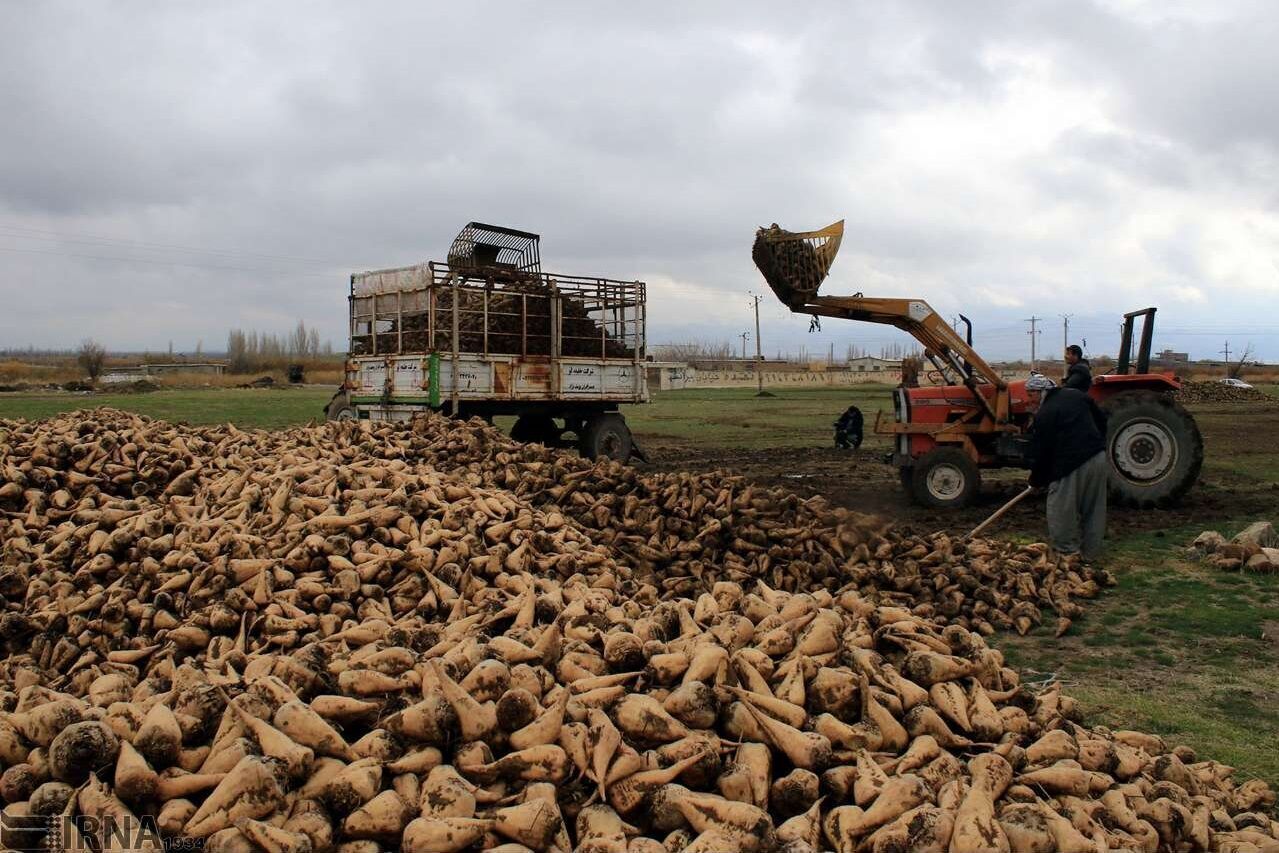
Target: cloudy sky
171, 170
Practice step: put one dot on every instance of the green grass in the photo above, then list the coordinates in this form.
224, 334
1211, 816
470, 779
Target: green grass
735, 417
1179, 649
266, 408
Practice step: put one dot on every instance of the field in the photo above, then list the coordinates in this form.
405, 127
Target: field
1177, 649
269, 408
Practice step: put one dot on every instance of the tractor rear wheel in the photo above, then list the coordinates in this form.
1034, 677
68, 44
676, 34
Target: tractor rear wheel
946, 478
1154, 447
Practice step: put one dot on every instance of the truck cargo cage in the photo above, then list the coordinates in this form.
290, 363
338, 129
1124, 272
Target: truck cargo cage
493, 247
412, 310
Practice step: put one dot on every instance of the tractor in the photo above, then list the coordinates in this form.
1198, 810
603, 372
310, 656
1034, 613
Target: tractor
945, 434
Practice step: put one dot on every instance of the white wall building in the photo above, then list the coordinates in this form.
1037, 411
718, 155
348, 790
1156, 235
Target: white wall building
871, 364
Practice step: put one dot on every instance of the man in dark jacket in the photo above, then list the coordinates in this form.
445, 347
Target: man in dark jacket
1068, 453
1078, 371
848, 429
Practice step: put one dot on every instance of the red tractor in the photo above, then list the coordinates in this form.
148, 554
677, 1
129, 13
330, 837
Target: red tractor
946, 433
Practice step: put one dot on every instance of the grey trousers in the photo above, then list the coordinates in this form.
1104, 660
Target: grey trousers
1077, 509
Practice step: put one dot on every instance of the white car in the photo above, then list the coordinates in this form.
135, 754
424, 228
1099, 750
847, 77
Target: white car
1234, 383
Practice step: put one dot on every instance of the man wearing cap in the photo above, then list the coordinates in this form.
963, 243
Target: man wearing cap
1068, 456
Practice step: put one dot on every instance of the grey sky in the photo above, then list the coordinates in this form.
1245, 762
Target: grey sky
999, 159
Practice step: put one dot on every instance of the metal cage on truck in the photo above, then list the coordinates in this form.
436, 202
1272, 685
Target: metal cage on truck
488, 333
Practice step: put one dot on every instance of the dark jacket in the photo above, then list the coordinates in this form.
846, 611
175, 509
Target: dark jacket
1078, 376
850, 421
1068, 430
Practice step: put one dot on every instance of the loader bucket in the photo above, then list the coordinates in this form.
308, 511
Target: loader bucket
796, 263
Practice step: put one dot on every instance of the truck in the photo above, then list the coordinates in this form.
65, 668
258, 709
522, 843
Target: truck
487, 333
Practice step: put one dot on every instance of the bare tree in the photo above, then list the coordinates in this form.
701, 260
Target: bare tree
91, 357
235, 350
298, 340
1235, 371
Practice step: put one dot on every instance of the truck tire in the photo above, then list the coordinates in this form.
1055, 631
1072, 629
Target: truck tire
535, 429
606, 435
1154, 447
946, 478
340, 408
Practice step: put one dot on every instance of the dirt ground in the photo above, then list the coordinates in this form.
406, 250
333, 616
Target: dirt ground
1238, 478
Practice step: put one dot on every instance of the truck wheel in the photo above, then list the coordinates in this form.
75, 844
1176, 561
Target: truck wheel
340, 408
945, 477
606, 435
535, 429
1154, 447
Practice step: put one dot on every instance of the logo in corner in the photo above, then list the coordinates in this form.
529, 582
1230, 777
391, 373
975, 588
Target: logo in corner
30, 833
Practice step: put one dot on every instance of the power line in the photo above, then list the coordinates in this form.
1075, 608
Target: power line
759, 353
1034, 333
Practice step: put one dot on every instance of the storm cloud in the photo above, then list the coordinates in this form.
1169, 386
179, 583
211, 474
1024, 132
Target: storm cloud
169, 171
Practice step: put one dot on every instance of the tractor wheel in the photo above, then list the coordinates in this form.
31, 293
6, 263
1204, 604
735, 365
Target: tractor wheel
535, 429
340, 408
1154, 447
945, 477
606, 435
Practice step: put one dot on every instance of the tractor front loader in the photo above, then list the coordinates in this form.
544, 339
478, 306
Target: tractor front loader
945, 434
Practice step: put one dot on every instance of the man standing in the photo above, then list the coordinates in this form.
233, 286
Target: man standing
1068, 453
1078, 371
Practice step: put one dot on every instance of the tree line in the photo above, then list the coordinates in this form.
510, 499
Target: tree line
250, 351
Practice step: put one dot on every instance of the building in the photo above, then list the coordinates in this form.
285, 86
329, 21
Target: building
1169, 355
666, 375
872, 364
133, 374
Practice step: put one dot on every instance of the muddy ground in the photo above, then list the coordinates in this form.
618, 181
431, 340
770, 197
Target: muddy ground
1240, 478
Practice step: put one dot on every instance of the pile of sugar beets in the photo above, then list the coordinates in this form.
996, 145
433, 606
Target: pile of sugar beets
1219, 392
429, 638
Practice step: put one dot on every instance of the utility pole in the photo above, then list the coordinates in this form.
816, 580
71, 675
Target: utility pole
1033, 334
744, 336
1226, 353
759, 351
1065, 331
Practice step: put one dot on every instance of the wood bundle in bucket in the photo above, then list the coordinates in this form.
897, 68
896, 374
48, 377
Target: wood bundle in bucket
796, 264
319, 640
